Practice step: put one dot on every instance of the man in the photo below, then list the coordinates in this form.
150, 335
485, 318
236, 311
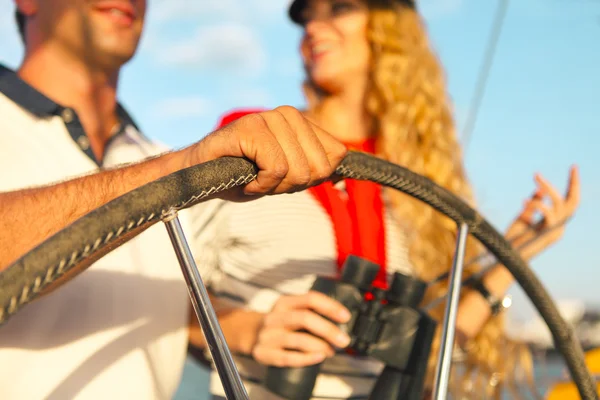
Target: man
118, 330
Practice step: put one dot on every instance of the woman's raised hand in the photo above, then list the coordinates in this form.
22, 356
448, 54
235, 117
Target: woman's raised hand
541, 222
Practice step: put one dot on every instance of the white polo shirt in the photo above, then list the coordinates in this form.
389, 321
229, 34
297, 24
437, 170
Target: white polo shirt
118, 330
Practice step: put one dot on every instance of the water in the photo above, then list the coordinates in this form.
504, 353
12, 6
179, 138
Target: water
194, 384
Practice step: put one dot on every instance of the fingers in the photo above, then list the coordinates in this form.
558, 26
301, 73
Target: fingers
290, 152
549, 190
311, 322
299, 341
529, 211
573, 191
288, 134
312, 156
294, 334
550, 227
319, 302
334, 149
285, 358
561, 208
320, 166
537, 205
565, 206
257, 143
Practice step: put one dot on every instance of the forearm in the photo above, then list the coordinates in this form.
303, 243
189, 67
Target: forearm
29, 216
240, 328
474, 310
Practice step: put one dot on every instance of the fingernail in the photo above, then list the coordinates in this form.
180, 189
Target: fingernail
343, 340
344, 315
318, 357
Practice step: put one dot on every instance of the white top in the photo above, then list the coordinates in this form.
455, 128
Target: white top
118, 330
250, 253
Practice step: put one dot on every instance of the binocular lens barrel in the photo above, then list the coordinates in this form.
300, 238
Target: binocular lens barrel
359, 272
406, 290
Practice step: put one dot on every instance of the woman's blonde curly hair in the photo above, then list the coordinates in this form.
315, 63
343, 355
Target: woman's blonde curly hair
413, 119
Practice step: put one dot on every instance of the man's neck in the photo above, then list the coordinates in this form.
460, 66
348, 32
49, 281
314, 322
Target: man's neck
344, 115
70, 83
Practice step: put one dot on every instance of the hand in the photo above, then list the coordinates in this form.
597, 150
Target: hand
528, 226
280, 344
291, 152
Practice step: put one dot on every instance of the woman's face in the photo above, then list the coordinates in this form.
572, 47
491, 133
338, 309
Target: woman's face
334, 47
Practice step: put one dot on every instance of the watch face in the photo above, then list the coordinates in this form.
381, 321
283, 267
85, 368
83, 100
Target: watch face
500, 305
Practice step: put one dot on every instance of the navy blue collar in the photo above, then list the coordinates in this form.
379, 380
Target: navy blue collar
19, 91
30, 99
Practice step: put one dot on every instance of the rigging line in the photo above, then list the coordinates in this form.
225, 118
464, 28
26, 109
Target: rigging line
484, 73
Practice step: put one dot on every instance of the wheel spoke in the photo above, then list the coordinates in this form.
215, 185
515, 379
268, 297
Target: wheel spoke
444, 365
228, 373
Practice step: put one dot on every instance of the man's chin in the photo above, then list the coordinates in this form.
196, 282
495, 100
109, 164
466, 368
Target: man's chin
115, 58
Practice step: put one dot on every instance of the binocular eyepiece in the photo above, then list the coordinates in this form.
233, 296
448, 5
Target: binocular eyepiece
404, 290
386, 325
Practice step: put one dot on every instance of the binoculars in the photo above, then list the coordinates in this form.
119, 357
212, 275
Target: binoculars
385, 325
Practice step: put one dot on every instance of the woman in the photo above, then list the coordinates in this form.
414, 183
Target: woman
374, 83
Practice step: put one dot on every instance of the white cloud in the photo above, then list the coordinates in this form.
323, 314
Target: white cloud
270, 8
237, 10
214, 36
262, 10
176, 10
227, 48
183, 107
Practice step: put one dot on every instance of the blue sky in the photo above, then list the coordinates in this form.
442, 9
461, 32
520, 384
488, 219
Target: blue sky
199, 59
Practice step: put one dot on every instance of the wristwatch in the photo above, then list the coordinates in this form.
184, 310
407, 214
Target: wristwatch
496, 304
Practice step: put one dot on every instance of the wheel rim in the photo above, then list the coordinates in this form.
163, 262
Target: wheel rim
76, 247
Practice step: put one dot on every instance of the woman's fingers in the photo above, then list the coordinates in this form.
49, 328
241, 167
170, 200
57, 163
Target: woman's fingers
529, 229
574, 190
299, 330
528, 213
311, 322
549, 190
298, 341
318, 302
285, 358
571, 200
535, 206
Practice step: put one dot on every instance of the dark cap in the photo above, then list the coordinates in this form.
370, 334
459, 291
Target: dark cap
295, 10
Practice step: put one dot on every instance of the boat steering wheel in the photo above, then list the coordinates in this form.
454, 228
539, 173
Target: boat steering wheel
76, 247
